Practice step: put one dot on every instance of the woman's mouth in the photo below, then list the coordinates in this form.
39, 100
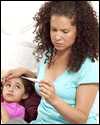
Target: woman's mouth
59, 45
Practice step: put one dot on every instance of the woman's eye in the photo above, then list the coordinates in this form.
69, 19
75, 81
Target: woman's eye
54, 30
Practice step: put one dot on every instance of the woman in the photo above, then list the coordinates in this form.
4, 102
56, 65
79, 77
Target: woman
67, 37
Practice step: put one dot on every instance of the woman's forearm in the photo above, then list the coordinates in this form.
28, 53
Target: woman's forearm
31, 74
69, 113
23, 71
4, 116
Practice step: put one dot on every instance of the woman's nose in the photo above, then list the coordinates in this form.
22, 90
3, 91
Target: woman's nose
57, 36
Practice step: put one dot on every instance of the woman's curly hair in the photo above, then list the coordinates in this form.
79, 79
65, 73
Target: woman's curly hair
87, 40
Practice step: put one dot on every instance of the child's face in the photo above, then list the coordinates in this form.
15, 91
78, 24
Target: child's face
13, 90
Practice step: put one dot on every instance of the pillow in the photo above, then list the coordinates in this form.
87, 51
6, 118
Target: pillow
30, 104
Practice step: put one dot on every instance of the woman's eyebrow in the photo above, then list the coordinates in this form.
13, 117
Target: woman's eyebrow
54, 27
65, 29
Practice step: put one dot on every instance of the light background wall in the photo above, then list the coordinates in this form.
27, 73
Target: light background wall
16, 34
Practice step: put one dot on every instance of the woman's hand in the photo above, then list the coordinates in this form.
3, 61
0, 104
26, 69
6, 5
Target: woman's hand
17, 73
4, 116
13, 73
47, 91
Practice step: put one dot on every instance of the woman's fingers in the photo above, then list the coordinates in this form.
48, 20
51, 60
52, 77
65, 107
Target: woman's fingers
5, 76
8, 75
13, 73
45, 82
46, 89
45, 95
47, 86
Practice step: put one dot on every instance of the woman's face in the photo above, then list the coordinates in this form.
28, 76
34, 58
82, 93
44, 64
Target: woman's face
13, 90
62, 32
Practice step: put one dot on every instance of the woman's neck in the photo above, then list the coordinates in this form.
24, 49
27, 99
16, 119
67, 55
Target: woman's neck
64, 55
61, 57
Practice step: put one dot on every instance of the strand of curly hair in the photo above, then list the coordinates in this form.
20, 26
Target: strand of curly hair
87, 40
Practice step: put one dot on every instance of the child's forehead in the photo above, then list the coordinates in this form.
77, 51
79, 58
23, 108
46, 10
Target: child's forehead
14, 80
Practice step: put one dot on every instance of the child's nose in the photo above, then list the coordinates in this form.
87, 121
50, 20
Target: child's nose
11, 88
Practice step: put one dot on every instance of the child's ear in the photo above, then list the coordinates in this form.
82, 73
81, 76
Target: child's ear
25, 96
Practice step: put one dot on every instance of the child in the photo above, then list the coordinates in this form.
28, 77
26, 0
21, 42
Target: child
14, 91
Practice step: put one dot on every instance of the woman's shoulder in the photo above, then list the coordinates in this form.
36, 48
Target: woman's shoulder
88, 64
89, 71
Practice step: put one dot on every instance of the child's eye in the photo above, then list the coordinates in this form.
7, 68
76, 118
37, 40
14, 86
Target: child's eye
65, 31
18, 87
7, 85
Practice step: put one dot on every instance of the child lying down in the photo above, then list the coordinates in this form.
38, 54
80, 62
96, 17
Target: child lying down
19, 98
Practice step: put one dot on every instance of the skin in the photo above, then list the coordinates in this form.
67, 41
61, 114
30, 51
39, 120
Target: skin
13, 91
13, 73
63, 35
62, 41
4, 116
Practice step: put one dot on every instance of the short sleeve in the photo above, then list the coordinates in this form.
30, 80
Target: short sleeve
89, 72
40, 64
37, 66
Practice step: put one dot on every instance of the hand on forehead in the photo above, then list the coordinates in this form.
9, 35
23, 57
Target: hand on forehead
13, 80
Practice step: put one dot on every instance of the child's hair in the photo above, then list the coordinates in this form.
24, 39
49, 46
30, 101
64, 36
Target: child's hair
28, 85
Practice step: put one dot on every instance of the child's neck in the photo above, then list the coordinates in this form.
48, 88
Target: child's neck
8, 102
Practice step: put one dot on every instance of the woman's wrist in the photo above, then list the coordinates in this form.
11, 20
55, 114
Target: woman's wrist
55, 101
28, 73
4, 115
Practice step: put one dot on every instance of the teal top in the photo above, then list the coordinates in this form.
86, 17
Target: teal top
65, 86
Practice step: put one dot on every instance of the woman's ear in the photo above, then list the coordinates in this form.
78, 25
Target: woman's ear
25, 96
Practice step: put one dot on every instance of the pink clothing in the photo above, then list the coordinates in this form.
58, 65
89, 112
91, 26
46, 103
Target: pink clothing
14, 110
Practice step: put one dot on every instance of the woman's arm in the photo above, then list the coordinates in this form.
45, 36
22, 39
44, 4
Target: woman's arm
19, 72
4, 116
84, 100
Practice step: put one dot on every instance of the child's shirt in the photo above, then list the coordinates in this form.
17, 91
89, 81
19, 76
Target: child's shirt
14, 110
